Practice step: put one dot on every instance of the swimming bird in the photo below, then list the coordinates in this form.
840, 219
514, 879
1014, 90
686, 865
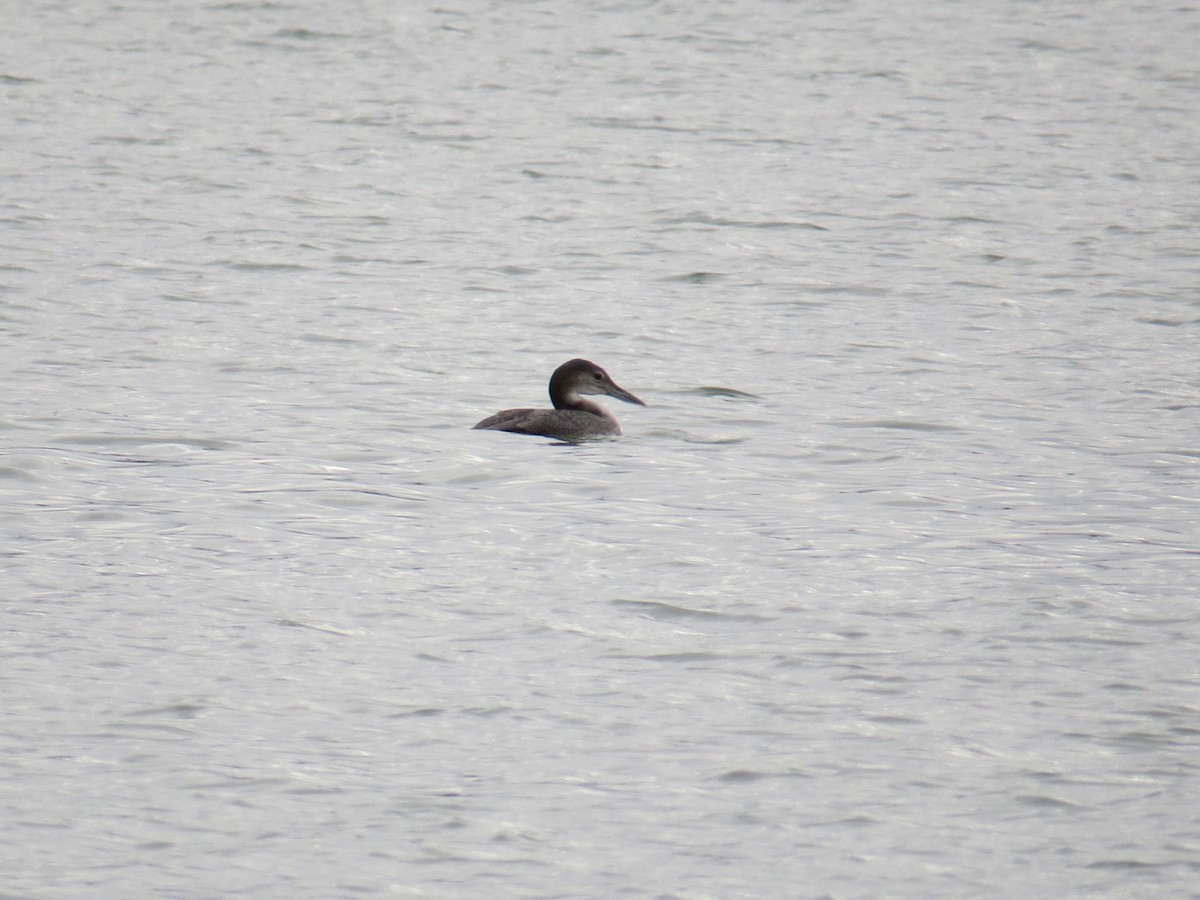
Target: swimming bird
574, 417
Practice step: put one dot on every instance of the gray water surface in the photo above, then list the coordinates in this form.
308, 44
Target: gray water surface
889, 592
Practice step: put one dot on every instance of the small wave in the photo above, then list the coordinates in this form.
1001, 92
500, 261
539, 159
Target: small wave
659, 610
900, 424
716, 391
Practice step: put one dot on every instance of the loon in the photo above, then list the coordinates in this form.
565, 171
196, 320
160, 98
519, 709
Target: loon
574, 417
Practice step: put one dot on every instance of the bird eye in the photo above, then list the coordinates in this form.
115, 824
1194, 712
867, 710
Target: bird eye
596, 375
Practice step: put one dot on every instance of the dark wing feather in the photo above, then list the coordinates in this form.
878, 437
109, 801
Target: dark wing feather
563, 424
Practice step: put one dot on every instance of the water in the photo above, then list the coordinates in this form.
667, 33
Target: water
889, 592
